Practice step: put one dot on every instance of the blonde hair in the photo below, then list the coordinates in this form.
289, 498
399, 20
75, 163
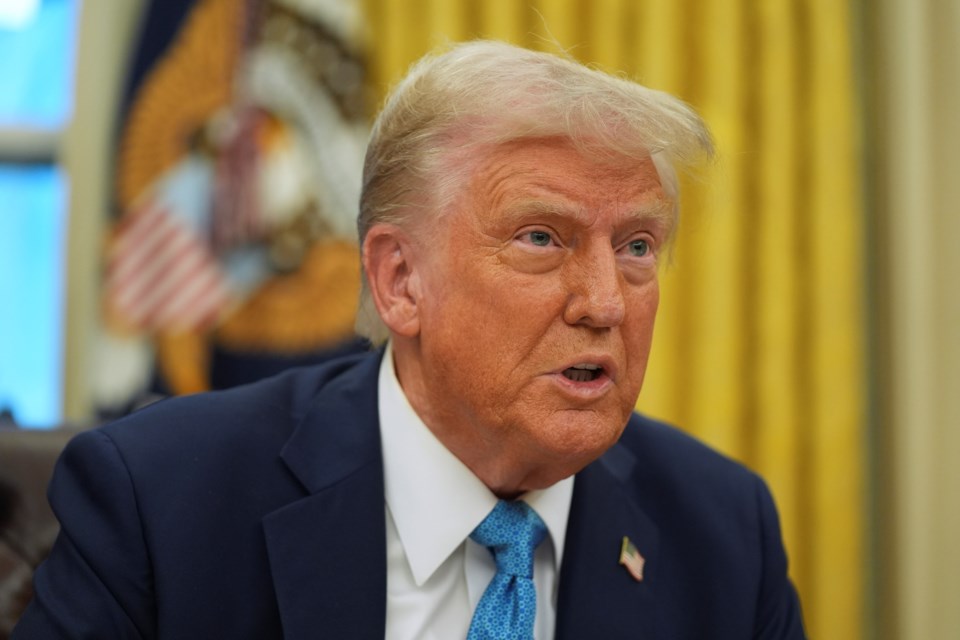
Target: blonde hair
454, 102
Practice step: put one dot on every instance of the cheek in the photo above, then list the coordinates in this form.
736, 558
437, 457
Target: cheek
642, 305
507, 311
638, 330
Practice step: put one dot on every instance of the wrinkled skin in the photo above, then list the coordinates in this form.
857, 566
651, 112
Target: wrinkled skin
547, 260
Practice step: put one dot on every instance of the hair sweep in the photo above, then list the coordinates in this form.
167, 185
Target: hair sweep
470, 95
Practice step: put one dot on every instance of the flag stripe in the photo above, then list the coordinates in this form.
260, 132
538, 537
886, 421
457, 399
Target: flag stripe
137, 246
164, 264
160, 275
151, 294
201, 296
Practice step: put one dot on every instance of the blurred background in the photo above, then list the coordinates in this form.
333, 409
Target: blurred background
178, 182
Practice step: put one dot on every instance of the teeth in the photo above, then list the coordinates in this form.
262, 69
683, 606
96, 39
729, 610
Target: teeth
583, 372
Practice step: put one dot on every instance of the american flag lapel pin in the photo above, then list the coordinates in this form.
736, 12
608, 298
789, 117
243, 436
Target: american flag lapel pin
631, 559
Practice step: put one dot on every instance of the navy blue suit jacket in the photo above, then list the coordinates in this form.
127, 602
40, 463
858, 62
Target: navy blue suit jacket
259, 513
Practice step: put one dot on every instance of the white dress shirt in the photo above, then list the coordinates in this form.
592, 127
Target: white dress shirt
435, 573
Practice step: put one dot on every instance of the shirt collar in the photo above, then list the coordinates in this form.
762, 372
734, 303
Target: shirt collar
435, 500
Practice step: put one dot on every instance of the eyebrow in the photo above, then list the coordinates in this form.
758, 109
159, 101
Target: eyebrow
660, 209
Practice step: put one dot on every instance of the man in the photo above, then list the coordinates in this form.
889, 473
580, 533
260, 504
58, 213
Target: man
484, 475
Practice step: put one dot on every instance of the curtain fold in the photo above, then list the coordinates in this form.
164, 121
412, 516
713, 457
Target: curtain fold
759, 347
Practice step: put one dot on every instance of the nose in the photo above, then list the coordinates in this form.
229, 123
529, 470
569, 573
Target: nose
595, 290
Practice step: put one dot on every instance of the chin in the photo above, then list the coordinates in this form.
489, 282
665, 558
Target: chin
585, 441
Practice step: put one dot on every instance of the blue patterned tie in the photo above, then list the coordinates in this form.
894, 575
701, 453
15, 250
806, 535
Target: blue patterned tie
508, 607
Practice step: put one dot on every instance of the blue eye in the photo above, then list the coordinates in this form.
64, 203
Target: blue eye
539, 238
639, 248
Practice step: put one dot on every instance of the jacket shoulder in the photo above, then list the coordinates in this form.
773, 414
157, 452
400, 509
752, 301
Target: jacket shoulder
668, 452
717, 521
681, 479
260, 412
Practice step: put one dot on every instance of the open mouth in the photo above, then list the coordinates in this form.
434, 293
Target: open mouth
583, 372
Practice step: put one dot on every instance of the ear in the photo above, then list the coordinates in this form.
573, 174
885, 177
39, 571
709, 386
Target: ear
389, 262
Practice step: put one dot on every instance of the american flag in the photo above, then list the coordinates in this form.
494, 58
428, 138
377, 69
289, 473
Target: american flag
631, 559
236, 209
160, 275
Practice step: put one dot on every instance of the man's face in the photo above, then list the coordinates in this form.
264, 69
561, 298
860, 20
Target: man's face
539, 291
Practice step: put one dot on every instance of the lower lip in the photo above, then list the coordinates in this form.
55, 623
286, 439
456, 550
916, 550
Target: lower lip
588, 390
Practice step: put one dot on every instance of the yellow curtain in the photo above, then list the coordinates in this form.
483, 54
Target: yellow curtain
759, 346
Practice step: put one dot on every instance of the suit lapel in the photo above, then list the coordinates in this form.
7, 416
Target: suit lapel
598, 598
328, 550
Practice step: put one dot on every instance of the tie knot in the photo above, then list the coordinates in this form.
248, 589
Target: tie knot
511, 532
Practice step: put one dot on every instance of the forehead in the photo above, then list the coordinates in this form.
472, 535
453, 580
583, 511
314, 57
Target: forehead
551, 175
